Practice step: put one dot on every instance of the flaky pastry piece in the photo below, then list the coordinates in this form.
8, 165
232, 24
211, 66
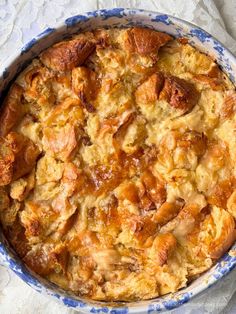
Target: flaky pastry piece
12, 109
145, 41
18, 157
179, 93
68, 54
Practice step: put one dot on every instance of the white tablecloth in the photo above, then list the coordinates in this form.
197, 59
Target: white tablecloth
20, 20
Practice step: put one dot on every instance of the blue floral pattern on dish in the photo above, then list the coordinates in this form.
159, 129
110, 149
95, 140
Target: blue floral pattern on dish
162, 19
200, 34
118, 17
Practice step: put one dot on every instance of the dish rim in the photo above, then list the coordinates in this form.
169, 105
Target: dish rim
41, 285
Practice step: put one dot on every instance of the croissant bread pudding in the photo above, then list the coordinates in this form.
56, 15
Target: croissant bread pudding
117, 164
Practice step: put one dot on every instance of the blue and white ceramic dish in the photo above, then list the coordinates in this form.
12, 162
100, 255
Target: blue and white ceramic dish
118, 18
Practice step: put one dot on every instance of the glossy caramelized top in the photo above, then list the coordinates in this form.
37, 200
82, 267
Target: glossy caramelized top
117, 164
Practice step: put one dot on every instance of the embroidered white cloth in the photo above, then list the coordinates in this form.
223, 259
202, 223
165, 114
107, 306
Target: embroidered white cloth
20, 20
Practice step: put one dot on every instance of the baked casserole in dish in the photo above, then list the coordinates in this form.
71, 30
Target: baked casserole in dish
117, 164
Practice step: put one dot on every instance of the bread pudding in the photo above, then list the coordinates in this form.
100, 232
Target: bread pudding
117, 164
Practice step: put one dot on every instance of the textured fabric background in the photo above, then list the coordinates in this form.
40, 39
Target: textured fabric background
20, 20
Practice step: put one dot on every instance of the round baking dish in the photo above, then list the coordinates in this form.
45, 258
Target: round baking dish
116, 18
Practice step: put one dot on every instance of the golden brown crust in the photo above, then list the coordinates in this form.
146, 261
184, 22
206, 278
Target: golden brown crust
179, 93
4, 199
16, 235
12, 109
42, 261
193, 140
18, 157
142, 228
21, 187
214, 78
145, 41
155, 189
61, 143
117, 173
7, 159
85, 84
149, 90
167, 212
231, 204
215, 83
162, 247
229, 106
67, 55
25, 152
225, 234
221, 193
129, 192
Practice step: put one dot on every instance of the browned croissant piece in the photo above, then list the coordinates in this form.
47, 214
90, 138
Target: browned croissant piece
179, 93
18, 157
145, 41
67, 55
150, 89
162, 247
12, 109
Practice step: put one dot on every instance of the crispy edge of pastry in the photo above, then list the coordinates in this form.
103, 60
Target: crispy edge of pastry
179, 93
11, 112
145, 41
66, 55
61, 143
149, 90
7, 159
162, 247
21, 157
222, 243
85, 84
